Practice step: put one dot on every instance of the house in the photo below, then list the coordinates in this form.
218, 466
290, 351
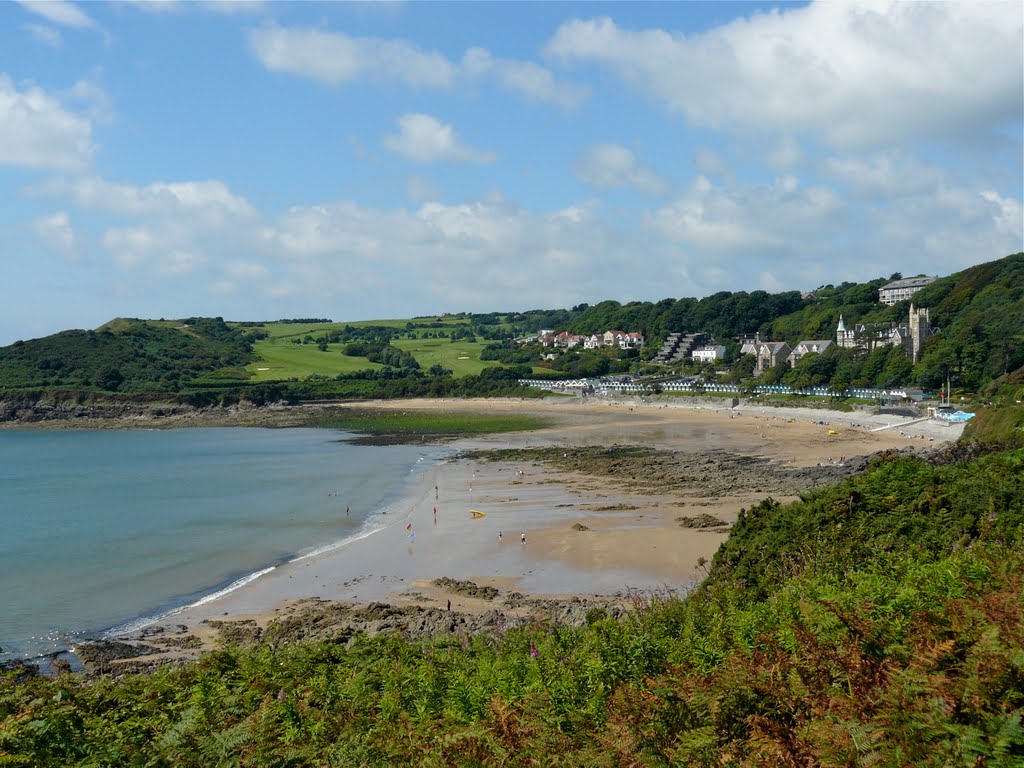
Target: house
633, 339
911, 336
806, 348
568, 340
748, 344
771, 353
901, 290
613, 338
593, 341
546, 338
709, 354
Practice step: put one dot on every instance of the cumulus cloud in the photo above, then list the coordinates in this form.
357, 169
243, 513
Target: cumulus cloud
527, 78
883, 174
746, 218
855, 74
709, 162
610, 165
426, 139
37, 132
56, 231
499, 251
211, 199
179, 263
335, 58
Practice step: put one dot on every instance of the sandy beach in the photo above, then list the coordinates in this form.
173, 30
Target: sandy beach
585, 534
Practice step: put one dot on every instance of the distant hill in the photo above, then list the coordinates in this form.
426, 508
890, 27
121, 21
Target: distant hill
128, 356
980, 312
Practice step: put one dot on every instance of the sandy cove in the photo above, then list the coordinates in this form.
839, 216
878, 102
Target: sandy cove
586, 534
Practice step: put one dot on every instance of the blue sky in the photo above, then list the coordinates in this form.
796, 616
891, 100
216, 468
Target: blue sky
370, 160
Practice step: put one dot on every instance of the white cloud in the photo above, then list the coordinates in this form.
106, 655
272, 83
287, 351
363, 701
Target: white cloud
784, 155
611, 165
747, 219
130, 246
44, 34
426, 139
420, 190
527, 78
856, 74
884, 174
1007, 215
334, 58
209, 200
709, 162
179, 263
56, 231
37, 132
60, 12
475, 254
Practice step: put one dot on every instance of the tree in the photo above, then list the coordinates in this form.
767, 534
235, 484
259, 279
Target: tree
109, 379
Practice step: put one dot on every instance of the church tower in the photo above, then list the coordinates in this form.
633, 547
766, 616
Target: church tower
920, 330
841, 333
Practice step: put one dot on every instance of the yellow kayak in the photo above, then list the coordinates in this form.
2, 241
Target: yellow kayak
476, 513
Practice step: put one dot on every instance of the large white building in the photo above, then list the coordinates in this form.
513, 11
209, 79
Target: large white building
901, 290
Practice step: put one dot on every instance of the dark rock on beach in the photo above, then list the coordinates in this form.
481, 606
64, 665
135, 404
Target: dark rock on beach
466, 588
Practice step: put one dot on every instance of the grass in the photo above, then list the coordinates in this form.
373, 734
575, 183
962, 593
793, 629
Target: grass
285, 360
448, 353
431, 423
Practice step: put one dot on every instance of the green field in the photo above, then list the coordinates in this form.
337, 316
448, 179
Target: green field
461, 357
283, 360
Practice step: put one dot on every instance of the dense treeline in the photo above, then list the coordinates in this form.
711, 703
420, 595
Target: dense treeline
888, 632
128, 356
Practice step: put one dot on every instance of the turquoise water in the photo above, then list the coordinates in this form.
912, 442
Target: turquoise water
99, 529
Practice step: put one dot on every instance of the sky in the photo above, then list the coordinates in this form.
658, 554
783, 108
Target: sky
258, 160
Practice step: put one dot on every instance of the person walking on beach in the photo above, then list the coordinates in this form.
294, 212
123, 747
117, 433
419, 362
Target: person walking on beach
522, 538
449, 605
499, 535
346, 510
435, 515
435, 493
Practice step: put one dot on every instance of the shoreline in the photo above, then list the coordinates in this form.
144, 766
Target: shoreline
586, 535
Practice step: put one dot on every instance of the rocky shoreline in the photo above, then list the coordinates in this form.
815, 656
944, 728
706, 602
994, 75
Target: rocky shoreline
316, 620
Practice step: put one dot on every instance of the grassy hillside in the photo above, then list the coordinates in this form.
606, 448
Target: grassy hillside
280, 359
889, 633
128, 356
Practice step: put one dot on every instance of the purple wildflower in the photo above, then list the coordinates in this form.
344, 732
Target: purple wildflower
534, 653
282, 695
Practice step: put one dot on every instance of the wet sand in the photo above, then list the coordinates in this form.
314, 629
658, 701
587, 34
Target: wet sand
585, 534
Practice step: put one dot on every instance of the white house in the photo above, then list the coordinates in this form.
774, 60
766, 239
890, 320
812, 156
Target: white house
709, 354
806, 348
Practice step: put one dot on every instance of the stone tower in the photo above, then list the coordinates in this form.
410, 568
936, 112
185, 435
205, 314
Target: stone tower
920, 330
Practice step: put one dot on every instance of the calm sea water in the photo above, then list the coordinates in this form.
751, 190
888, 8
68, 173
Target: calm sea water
99, 529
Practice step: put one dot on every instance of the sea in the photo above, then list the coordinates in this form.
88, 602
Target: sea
105, 531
